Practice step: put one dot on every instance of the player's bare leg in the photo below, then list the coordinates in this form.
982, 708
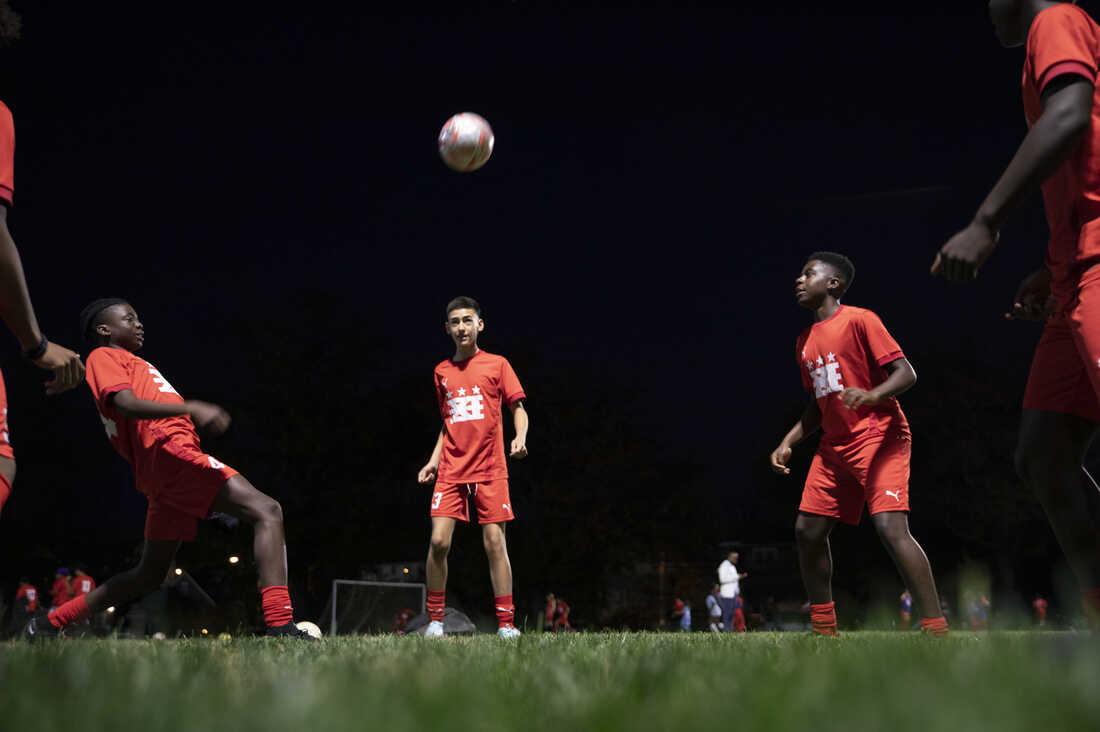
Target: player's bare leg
7, 469
815, 559
148, 575
910, 559
240, 498
1050, 457
496, 549
443, 529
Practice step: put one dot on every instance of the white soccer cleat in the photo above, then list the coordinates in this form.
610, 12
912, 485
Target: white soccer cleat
434, 629
508, 631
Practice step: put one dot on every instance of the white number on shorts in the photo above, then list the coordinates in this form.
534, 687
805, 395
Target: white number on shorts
215, 464
436, 498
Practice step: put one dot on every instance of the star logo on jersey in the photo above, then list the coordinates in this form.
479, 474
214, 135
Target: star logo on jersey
110, 426
476, 390
832, 357
462, 391
820, 361
466, 408
826, 377
450, 394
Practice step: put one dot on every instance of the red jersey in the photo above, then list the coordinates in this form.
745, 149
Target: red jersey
59, 593
850, 349
111, 370
28, 593
1062, 40
470, 394
7, 155
81, 585
1040, 606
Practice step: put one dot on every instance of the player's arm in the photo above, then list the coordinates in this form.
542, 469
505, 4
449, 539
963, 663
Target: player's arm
519, 419
204, 414
807, 424
429, 472
1067, 110
18, 312
901, 378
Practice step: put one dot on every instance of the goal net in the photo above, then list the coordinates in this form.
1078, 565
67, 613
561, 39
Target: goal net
364, 607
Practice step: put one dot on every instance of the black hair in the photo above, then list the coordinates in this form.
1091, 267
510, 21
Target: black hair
89, 317
840, 264
10, 24
460, 303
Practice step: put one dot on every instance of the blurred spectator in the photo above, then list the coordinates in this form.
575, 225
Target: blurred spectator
556, 616
682, 612
1040, 606
402, 619
714, 610
905, 621
977, 610
729, 581
81, 584
26, 605
739, 614
60, 593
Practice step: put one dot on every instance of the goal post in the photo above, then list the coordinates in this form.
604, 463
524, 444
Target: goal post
367, 607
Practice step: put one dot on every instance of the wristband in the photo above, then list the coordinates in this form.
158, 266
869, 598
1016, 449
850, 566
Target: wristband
33, 354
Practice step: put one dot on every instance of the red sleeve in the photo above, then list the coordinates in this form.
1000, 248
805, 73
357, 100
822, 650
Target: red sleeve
7, 156
510, 387
440, 394
881, 346
1062, 40
807, 385
106, 374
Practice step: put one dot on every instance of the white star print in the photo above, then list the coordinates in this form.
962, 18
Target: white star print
476, 390
832, 356
820, 361
450, 394
462, 391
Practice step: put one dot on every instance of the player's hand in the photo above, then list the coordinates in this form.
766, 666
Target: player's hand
780, 456
67, 369
427, 473
854, 398
963, 255
519, 448
1033, 299
207, 416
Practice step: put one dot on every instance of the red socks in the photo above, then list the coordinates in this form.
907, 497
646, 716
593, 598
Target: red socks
1091, 601
68, 613
506, 611
936, 626
276, 604
435, 604
823, 619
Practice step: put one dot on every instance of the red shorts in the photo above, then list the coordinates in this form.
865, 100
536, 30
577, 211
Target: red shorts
5, 491
494, 506
180, 488
1065, 373
5, 445
843, 478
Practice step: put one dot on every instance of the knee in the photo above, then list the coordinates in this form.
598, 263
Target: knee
439, 547
806, 534
494, 544
272, 511
891, 531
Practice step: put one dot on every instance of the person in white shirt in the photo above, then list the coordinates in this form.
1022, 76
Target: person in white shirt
729, 587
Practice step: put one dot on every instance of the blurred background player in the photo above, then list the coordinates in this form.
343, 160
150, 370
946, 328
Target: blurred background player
681, 612
153, 428
1062, 154
468, 460
60, 592
15, 300
854, 368
729, 584
1039, 605
905, 610
714, 609
81, 583
25, 605
556, 617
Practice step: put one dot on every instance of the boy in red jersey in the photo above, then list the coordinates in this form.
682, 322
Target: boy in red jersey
1061, 154
81, 584
854, 368
15, 301
153, 428
468, 459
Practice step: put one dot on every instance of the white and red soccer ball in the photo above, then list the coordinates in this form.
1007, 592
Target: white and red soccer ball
465, 142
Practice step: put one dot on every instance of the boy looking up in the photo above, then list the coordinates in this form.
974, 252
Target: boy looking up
854, 368
1061, 153
153, 428
468, 460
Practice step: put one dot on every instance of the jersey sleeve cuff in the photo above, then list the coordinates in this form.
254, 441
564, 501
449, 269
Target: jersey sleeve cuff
890, 357
1062, 68
109, 390
516, 397
6, 195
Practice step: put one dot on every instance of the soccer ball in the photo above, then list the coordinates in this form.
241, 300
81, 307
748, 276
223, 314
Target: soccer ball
465, 142
310, 628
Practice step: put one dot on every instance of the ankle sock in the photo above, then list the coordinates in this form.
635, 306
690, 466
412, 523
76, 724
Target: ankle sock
936, 626
506, 611
823, 618
276, 605
436, 599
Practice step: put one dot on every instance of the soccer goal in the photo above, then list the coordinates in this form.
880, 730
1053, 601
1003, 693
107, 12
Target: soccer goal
364, 607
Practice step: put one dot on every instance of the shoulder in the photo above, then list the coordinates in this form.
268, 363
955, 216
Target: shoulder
106, 354
1059, 19
861, 315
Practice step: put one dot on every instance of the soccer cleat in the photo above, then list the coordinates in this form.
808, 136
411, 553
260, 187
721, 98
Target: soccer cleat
508, 631
38, 628
434, 629
289, 630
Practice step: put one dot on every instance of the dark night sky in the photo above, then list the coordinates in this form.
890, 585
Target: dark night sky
659, 175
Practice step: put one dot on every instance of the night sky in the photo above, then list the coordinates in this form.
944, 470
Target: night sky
262, 182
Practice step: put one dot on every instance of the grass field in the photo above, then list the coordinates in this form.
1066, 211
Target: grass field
602, 681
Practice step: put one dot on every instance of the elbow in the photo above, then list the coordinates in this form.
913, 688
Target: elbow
1073, 122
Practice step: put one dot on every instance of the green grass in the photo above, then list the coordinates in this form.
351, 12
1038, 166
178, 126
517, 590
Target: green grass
603, 681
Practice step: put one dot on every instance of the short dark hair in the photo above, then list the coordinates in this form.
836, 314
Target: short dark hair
462, 302
90, 317
841, 264
10, 24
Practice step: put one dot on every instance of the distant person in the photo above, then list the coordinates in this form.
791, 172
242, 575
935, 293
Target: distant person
739, 614
729, 587
681, 611
16, 308
153, 428
468, 460
561, 617
905, 610
26, 596
401, 620
854, 369
81, 583
1061, 154
60, 592
1039, 605
977, 609
714, 609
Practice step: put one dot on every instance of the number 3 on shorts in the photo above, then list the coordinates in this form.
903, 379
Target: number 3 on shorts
436, 498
